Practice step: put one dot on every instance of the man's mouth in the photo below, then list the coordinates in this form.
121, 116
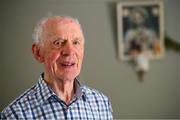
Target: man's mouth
67, 64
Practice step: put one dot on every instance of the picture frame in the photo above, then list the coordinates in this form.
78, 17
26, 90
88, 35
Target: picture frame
140, 29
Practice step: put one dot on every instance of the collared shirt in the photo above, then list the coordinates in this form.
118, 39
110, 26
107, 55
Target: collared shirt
40, 102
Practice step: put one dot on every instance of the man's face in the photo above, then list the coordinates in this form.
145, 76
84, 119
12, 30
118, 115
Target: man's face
63, 49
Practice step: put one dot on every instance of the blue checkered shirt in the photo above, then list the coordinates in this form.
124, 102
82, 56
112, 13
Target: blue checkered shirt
40, 102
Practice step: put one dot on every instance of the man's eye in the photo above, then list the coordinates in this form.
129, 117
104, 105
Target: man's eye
76, 42
58, 42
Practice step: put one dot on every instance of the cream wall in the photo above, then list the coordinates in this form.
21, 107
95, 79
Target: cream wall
157, 96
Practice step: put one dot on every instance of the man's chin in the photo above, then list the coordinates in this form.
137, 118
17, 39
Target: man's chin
67, 78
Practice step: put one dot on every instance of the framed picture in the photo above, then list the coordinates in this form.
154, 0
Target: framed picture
140, 29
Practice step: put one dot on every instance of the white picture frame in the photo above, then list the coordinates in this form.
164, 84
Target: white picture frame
140, 29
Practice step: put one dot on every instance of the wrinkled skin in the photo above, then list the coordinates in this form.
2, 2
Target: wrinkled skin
62, 49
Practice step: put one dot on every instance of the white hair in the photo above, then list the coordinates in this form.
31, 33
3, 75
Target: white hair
37, 34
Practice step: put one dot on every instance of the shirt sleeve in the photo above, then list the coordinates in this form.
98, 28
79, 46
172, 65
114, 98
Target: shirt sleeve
110, 110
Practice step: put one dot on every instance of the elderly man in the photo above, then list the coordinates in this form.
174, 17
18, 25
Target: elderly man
59, 46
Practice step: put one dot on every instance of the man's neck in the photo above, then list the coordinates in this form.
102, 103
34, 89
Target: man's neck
64, 89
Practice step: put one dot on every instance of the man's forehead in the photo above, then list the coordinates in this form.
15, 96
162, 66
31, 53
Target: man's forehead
62, 27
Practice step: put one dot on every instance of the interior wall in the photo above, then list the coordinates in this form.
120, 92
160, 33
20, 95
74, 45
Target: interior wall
157, 96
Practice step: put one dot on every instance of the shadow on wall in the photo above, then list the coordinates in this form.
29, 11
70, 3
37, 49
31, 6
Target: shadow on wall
113, 18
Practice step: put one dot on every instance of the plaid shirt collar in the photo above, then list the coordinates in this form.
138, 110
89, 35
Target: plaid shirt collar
45, 92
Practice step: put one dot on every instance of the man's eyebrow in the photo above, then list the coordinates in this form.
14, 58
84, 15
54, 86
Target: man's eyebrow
64, 39
80, 39
59, 38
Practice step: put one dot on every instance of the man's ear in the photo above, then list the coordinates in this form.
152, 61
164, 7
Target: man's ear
37, 53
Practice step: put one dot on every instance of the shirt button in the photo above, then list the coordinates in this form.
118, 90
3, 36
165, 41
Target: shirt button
66, 109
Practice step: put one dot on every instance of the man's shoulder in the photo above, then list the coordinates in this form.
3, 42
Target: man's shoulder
91, 92
98, 100
20, 102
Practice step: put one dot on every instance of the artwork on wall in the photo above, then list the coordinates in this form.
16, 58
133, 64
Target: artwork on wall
140, 32
140, 29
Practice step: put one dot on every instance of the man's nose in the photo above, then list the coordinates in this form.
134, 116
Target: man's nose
68, 49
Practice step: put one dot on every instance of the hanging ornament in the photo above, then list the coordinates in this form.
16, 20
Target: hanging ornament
141, 65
